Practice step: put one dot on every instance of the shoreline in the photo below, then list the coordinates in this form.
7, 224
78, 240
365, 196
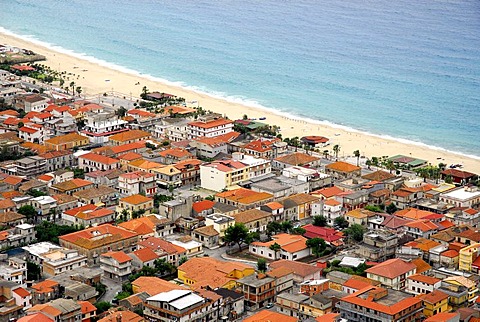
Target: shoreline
97, 76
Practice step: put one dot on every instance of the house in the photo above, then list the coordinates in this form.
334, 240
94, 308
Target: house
462, 291
243, 199
190, 171
330, 235
421, 284
88, 215
253, 219
220, 223
467, 256
298, 206
94, 162
69, 187
291, 247
30, 166
421, 228
32, 133
359, 216
107, 178
301, 272
143, 257
116, 265
343, 170
100, 125
168, 176
356, 283
258, 289
458, 176
66, 142
94, 241
129, 136
222, 174
101, 196
207, 235
13, 301
59, 160
174, 303
60, 310
134, 205
210, 125
45, 291
315, 141
220, 274
376, 303
378, 245
295, 159
405, 197
122, 315
209, 147
392, 273
137, 182
312, 287
173, 155
233, 303
327, 193
165, 250
32, 102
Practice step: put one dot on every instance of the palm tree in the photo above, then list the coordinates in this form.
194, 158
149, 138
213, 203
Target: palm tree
356, 153
336, 149
78, 90
368, 163
325, 154
276, 248
390, 165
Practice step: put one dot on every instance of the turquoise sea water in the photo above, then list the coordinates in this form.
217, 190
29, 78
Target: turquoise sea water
406, 69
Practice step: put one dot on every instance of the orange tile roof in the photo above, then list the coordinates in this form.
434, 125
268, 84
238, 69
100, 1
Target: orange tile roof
298, 268
421, 265
288, 243
356, 284
424, 279
12, 180
423, 225
269, 316
413, 213
123, 316
157, 244
98, 158
342, 166
21, 292
88, 238
210, 124
136, 199
250, 215
200, 206
142, 226
45, 177
128, 147
279, 272
244, 196
11, 194
119, 256
423, 244
62, 139
9, 112
358, 298
130, 156
87, 307
328, 192
176, 152
392, 268
145, 254
6, 203
297, 158
274, 205
434, 297
154, 285
206, 231
72, 184
45, 286
450, 253
28, 130
130, 135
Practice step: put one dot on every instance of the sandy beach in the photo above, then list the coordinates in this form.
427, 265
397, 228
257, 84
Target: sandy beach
95, 79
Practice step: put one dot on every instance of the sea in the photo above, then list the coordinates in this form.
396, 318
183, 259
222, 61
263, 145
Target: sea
404, 69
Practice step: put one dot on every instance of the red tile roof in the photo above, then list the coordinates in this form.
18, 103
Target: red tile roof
392, 268
145, 254
200, 206
119, 256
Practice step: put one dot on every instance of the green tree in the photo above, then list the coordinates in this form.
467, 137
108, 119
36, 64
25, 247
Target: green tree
102, 306
121, 112
164, 267
320, 221
273, 228
368, 163
276, 248
341, 222
36, 193
28, 211
33, 271
236, 234
144, 92
262, 265
298, 231
72, 85
336, 150
182, 260
356, 153
287, 226
391, 208
245, 117
317, 245
356, 232
49, 231
449, 179
79, 90
373, 208
251, 237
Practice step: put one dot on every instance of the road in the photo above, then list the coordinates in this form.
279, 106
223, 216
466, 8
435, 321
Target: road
112, 288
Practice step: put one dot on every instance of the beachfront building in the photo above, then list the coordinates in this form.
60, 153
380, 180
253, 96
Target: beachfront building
462, 197
100, 125
209, 125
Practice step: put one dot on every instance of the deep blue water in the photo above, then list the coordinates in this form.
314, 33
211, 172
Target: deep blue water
408, 69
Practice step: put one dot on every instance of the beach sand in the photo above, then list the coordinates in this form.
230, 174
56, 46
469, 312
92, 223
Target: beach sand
95, 79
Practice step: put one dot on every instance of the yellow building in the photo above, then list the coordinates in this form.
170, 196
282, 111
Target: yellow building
200, 272
359, 216
220, 223
134, 204
467, 256
219, 175
434, 303
66, 142
298, 206
168, 176
462, 291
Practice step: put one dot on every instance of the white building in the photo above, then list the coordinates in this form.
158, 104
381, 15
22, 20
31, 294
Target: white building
35, 251
462, 197
330, 209
31, 133
99, 126
291, 247
14, 270
210, 125
421, 284
257, 167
